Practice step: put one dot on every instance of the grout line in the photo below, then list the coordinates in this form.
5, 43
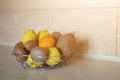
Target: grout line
59, 9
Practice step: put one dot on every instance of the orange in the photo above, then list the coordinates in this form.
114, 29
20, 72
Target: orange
47, 42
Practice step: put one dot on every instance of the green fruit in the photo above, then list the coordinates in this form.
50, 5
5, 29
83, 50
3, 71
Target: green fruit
20, 53
54, 56
67, 44
32, 63
56, 35
42, 34
29, 35
31, 44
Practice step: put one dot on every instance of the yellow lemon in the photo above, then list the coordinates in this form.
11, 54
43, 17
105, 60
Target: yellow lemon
31, 63
29, 35
54, 56
42, 34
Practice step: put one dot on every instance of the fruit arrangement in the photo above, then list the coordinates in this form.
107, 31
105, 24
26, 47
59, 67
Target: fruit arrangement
44, 50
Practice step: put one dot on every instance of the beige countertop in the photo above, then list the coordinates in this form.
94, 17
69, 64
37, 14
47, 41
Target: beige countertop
76, 69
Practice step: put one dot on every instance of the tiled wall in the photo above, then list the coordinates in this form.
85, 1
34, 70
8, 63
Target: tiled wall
96, 20
119, 29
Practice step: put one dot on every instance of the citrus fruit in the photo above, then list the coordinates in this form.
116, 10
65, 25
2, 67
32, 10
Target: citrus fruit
29, 35
54, 56
31, 63
47, 42
42, 34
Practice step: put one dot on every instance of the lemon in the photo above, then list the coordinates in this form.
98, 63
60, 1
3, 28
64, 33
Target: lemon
54, 56
42, 34
29, 35
31, 63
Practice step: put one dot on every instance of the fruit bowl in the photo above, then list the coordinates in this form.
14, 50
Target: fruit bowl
43, 65
43, 49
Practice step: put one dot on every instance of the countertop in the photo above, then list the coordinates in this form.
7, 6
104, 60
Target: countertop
77, 69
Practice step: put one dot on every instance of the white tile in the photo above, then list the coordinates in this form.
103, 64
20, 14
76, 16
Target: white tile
96, 3
118, 3
54, 4
7, 5
17, 5
15, 27
99, 26
119, 33
28, 4
39, 4
36, 20
10, 5
63, 20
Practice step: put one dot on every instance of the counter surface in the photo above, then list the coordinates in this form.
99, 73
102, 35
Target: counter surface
76, 69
